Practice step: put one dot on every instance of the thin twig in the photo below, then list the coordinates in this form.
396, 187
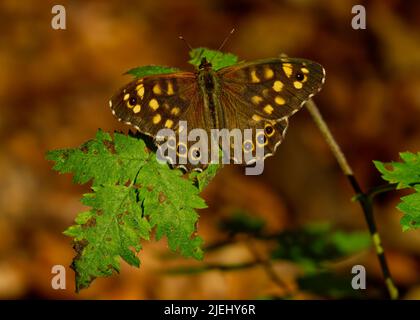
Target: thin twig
364, 199
269, 269
373, 192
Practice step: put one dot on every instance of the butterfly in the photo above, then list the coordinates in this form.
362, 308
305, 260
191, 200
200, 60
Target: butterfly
261, 94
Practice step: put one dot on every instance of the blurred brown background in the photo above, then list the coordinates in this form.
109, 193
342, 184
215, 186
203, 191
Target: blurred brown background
54, 91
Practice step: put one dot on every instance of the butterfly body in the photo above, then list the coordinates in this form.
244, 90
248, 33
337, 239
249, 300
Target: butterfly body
209, 87
262, 94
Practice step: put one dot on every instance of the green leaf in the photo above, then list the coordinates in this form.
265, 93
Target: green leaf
241, 222
169, 203
314, 244
348, 243
144, 71
112, 229
410, 206
407, 175
202, 179
132, 193
102, 160
216, 58
329, 285
404, 173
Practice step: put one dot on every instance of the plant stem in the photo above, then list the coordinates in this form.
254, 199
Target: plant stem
373, 192
269, 269
364, 199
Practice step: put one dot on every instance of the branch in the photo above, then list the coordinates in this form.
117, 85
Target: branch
365, 199
269, 269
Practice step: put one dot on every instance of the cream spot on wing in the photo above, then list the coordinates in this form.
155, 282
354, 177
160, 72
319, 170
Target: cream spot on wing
169, 123
157, 118
137, 108
268, 109
298, 85
170, 90
156, 89
126, 96
268, 73
304, 70
256, 117
175, 111
110, 103
254, 77
154, 104
258, 139
277, 86
181, 149
140, 91
256, 99
279, 100
248, 146
288, 69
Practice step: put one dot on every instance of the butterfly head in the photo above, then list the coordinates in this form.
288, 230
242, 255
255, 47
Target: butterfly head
204, 64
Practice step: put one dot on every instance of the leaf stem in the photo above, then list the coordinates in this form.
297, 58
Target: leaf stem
373, 192
365, 199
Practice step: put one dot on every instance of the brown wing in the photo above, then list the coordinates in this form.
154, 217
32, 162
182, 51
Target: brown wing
157, 102
264, 94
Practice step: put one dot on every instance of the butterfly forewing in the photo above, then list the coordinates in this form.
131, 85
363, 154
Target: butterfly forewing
272, 88
157, 102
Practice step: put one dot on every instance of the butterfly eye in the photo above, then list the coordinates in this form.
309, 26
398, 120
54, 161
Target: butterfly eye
299, 76
132, 101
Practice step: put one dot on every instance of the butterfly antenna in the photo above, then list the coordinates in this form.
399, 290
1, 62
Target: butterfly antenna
226, 39
186, 42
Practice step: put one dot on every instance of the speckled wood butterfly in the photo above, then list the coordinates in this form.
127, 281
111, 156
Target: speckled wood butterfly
262, 94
